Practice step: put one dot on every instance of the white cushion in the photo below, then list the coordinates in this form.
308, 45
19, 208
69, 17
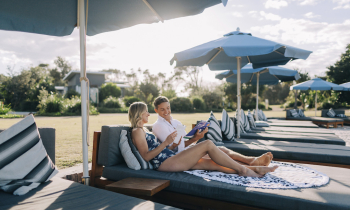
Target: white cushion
130, 154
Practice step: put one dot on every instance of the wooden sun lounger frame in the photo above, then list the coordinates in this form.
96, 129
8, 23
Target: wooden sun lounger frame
164, 197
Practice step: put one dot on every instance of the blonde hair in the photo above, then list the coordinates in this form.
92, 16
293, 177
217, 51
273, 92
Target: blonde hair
136, 109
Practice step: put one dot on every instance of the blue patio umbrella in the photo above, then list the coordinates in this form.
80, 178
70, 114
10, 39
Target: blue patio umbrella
346, 86
316, 84
235, 50
60, 17
261, 76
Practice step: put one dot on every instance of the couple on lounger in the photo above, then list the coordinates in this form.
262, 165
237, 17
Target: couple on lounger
165, 155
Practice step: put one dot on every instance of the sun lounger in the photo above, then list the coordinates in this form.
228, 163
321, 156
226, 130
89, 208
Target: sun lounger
317, 120
295, 129
346, 119
59, 193
193, 191
322, 154
294, 137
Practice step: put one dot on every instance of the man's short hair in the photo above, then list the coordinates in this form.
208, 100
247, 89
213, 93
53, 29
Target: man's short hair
159, 100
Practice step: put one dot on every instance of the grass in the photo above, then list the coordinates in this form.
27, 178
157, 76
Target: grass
10, 116
68, 130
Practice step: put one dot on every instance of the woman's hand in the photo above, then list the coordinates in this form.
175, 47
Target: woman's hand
170, 138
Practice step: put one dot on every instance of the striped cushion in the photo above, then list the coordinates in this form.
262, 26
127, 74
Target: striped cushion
301, 113
24, 163
331, 113
214, 131
294, 113
227, 127
246, 122
341, 115
130, 153
241, 126
264, 118
251, 120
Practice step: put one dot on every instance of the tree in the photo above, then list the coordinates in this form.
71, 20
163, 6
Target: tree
109, 89
147, 92
190, 75
61, 70
340, 73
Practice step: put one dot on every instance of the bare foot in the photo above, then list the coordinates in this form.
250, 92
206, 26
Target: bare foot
262, 170
249, 172
263, 160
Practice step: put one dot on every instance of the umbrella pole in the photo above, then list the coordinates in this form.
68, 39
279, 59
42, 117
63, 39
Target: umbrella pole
238, 96
84, 91
316, 104
257, 96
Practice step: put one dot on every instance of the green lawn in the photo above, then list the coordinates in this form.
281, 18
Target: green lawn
68, 130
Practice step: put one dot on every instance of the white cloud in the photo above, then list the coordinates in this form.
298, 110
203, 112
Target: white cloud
270, 16
309, 2
311, 15
342, 4
276, 4
238, 5
327, 40
237, 14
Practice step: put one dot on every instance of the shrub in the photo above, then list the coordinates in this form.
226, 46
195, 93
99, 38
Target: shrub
109, 89
212, 100
112, 110
198, 103
180, 104
71, 93
151, 109
29, 106
4, 109
111, 102
128, 100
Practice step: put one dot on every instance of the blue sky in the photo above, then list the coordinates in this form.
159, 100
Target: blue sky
322, 26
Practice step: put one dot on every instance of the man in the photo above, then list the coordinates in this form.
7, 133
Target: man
165, 125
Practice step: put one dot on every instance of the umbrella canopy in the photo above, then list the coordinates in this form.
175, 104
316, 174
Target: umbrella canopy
60, 17
235, 50
219, 54
346, 86
261, 76
316, 84
271, 75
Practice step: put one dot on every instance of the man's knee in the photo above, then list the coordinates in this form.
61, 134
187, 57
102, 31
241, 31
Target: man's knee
208, 143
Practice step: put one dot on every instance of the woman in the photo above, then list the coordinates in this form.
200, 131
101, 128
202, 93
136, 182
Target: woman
164, 159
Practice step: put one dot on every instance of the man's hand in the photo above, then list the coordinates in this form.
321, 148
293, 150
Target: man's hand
200, 134
174, 145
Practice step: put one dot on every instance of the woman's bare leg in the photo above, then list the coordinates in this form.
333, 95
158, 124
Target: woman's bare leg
208, 164
263, 160
189, 158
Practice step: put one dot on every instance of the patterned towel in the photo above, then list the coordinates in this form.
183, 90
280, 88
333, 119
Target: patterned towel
286, 176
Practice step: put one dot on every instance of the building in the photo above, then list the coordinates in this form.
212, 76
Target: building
96, 79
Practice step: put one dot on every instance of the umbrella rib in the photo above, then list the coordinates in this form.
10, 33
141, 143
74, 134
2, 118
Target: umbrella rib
279, 52
248, 59
154, 11
216, 54
251, 78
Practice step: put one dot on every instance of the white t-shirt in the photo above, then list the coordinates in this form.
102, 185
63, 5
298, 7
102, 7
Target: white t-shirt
162, 129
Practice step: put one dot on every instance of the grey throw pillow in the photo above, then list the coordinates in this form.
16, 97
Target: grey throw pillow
331, 113
301, 113
251, 120
24, 163
130, 153
294, 113
241, 126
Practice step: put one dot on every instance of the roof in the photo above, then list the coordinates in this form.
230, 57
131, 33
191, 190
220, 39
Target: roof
59, 87
73, 73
